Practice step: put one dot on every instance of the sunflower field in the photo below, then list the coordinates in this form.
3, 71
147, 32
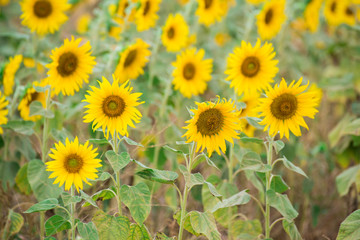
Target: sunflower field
180, 119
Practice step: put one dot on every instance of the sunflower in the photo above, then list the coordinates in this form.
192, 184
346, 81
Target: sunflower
251, 102
311, 14
175, 33
255, 2
70, 67
191, 72
83, 23
4, 2
247, 128
270, 19
73, 163
31, 95
9, 71
183, 2
132, 61
120, 16
146, 15
3, 111
43, 16
210, 11
112, 106
348, 12
332, 12
251, 69
285, 106
222, 38
212, 124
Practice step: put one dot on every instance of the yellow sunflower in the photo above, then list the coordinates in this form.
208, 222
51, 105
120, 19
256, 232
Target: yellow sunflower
271, 18
191, 72
210, 11
175, 33
83, 23
70, 67
332, 12
222, 38
311, 15
8, 76
73, 163
132, 61
146, 16
43, 16
212, 125
251, 69
251, 101
112, 107
3, 111
120, 16
4, 2
30, 96
348, 12
246, 128
285, 107
183, 2
255, 2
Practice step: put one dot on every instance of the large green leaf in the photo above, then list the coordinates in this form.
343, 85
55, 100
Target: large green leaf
22, 181
277, 182
252, 161
345, 179
204, 223
13, 224
20, 126
88, 199
291, 229
40, 183
238, 199
8, 171
68, 199
292, 167
187, 223
110, 227
44, 205
101, 195
278, 145
350, 227
36, 109
118, 161
137, 199
161, 176
282, 203
56, 224
87, 231
138, 232
246, 229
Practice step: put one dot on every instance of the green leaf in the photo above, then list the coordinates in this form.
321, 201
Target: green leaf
22, 181
213, 190
254, 121
291, 229
68, 199
167, 147
238, 199
246, 139
44, 205
20, 126
171, 198
132, 142
36, 109
87, 231
282, 203
138, 232
349, 228
252, 161
13, 224
292, 167
99, 141
277, 183
278, 145
110, 227
56, 224
137, 199
204, 223
161, 176
246, 229
8, 171
101, 195
41, 89
104, 176
40, 183
162, 236
88, 199
187, 223
118, 161
346, 179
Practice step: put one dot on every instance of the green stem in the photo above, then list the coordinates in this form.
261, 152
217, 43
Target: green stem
267, 187
117, 174
153, 59
45, 129
42, 225
183, 212
72, 212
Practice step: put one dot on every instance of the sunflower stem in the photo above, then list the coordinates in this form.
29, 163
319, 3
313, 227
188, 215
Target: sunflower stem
42, 225
117, 174
45, 129
267, 187
72, 213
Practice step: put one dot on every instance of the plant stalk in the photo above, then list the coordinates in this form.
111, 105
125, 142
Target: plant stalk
183, 212
267, 187
72, 212
117, 174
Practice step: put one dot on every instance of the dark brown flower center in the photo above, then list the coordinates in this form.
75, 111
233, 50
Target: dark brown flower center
146, 8
42, 8
333, 6
130, 58
250, 66
268, 16
171, 33
208, 3
125, 7
33, 97
67, 64
113, 106
349, 11
284, 106
189, 71
210, 122
73, 163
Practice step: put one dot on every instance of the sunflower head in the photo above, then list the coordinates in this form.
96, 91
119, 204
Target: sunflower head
73, 163
30, 96
210, 11
8, 76
146, 16
285, 107
112, 107
212, 125
83, 23
175, 33
43, 16
311, 15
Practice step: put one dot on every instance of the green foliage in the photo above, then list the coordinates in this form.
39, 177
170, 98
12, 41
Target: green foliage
138, 232
88, 199
246, 229
88, 231
56, 224
346, 179
292, 167
13, 225
187, 223
282, 203
291, 229
20, 126
161, 176
8, 171
252, 161
117, 161
101, 195
44, 205
349, 228
110, 227
277, 182
238, 199
36, 108
21, 180
68, 199
204, 223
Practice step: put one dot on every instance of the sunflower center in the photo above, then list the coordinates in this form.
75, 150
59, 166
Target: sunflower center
189, 71
284, 106
113, 106
171, 33
73, 163
349, 11
250, 66
42, 8
33, 97
268, 16
67, 64
333, 6
130, 58
208, 3
125, 7
210, 122
146, 8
